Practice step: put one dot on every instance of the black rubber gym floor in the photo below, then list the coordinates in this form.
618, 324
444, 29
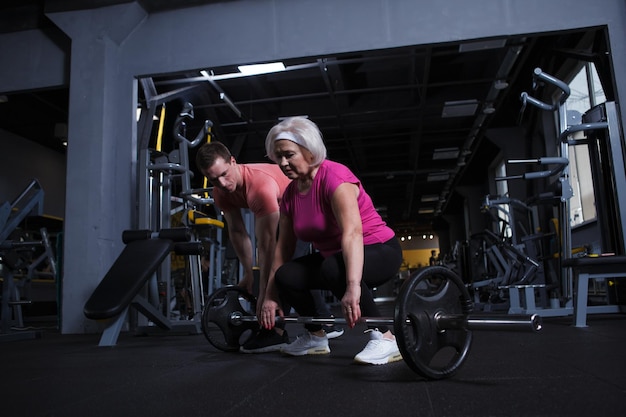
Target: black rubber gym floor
561, 371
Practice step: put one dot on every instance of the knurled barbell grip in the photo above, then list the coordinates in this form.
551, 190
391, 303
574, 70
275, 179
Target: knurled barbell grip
520, 322
237, 317
512, 322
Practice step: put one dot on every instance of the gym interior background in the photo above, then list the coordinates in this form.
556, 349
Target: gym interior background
421, 101
437, 106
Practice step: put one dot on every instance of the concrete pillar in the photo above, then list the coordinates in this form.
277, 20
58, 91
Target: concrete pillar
100, 154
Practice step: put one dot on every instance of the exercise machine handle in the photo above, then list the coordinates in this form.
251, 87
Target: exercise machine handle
564, 137
560, 162
180, 127
539, 75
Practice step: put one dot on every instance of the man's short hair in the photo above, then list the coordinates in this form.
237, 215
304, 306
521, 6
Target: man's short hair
209, 152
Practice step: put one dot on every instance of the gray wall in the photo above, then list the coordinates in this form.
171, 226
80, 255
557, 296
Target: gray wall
112, 45
21, 161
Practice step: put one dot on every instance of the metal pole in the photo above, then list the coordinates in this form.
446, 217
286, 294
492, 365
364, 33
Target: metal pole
521, 322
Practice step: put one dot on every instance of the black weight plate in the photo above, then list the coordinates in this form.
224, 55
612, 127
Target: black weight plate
217, 325
428, 351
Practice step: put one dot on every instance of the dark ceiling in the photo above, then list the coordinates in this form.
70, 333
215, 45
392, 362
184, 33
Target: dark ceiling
410, 121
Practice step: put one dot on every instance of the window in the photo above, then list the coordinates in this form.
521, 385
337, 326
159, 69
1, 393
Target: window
502, 190
586, 92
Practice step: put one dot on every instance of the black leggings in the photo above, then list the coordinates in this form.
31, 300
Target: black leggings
297, 277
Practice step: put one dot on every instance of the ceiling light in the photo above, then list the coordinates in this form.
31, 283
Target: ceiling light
489, 109
256, 69
437, 176
500, 84
426, 210
446, 153
460, 108
482, 45
429, 198
281, 118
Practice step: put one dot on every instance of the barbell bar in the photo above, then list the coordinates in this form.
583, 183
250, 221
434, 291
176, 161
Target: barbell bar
519, 322
432, 322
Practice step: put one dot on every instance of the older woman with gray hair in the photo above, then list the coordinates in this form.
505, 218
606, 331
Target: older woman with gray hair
326, 205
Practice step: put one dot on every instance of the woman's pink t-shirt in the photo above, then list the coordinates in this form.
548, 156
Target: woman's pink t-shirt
312, 214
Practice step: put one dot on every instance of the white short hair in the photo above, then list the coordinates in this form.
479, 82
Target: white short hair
307, 135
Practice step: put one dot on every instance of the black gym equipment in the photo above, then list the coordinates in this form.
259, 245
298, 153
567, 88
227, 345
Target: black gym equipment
22, 257
120, 288
130, 271
432, 321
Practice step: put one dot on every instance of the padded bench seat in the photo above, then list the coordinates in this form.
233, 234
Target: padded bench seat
587, 268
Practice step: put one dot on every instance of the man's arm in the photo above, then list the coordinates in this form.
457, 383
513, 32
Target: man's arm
268, 303
242, 244
266, 229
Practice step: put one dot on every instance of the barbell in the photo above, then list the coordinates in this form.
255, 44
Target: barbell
433, 321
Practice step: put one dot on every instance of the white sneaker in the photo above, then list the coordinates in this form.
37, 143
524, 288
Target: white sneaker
378, 350
333, 332
307, 344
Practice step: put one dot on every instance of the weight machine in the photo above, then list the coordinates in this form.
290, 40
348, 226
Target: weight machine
160, 174
608, 155
23, 254
166, 301
608, 159
512, 256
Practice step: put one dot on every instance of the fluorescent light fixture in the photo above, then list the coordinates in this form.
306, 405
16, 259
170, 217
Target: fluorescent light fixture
500, 84
256, 69
426, 210
460, 108
446, 153
489, 109
281, 118
429, 198
482, 45
437, 176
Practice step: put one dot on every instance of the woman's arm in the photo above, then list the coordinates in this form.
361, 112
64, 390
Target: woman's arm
346, 210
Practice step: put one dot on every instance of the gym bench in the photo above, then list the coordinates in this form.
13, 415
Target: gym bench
586, 269
121, 286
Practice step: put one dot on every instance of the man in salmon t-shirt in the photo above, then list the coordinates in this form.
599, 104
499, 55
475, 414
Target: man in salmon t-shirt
258, 187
